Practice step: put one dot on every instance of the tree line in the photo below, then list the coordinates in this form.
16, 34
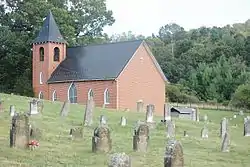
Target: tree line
203, 64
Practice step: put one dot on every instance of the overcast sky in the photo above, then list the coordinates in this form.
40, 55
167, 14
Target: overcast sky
147, 16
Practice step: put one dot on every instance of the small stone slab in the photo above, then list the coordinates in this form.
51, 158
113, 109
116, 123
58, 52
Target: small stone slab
33, 107
140, 105
76, 132
170, 129
246, 127
204, 132
123, 121
150, 116
224, 127
12, 110
119, 160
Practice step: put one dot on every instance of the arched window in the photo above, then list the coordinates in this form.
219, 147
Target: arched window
106, 97
90, 93
40, 96
56, 54
72, 93
41, 52
54, 96
41, 78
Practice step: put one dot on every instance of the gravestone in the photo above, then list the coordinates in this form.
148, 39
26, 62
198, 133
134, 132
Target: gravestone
225, 143
119, 160
35, 132
103, 120
101, 141
224, 127
247, 127
185, 134
33, 107
204, 132
174, 154
19, 131
40, 106
197, 114
167, 112
12, 110
205, 117
234, 116
170, 129
76, 132
123, 121
65, 109
150, 116
140, 105
88, 115
241, 113
141, 138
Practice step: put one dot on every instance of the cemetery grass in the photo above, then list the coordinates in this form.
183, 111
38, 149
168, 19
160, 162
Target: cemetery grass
56, 149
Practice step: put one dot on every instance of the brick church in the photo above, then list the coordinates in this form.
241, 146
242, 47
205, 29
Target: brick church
116, 75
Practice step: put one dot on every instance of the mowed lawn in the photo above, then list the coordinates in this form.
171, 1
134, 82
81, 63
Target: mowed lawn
56, 149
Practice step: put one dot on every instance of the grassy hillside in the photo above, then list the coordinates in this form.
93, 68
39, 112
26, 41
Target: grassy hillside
57, 150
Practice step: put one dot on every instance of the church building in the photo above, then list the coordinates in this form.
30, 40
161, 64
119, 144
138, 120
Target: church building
116, 75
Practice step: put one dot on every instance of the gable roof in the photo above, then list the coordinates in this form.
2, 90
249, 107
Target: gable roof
49, 31
95, 62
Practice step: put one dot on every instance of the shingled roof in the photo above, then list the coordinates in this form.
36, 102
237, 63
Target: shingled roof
49, 31
95, 62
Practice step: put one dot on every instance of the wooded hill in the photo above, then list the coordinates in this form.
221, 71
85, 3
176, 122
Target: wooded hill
204, 64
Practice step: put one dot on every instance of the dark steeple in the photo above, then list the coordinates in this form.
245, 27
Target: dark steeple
49, 31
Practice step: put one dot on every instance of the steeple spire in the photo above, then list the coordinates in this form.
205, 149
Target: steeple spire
49, 31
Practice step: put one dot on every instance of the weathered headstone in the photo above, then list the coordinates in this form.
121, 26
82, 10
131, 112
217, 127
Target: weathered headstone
247, 127
141, 138
65, 109
33, 107
185, 134
103, 120
167, 112
150, 116
19, 131
119, 160
40, 106
205, 117
123, 121
197, 114
225, 143
174, 154
76, 132
88, 115
12, 110
35, 132
204, 132
170, 129
224, 127
140, 105
101, 140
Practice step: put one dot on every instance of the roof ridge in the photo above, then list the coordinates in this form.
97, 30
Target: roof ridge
109, 43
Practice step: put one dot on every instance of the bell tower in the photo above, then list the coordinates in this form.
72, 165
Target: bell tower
49, 50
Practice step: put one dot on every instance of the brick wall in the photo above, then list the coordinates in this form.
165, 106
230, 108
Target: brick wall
98, 88
46, 67
141, 80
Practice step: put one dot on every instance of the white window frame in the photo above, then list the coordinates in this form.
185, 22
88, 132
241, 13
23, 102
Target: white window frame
53, 96
39, 95
90, 90
69, 90
41, 78
106, 92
